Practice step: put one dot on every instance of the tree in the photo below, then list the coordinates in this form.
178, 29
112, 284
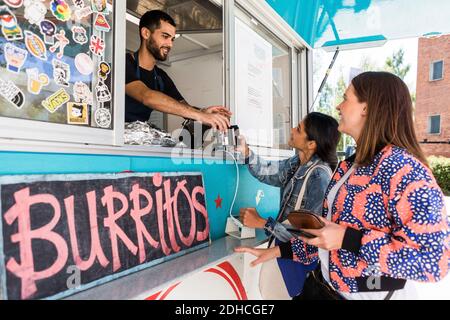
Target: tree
330, 97
396, 64
367, 64
325, 104
339, 91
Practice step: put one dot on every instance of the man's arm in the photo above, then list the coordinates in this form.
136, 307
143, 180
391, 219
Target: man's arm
211, 109
162, 102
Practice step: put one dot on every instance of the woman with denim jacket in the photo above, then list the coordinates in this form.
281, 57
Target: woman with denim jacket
385, 224
315, 139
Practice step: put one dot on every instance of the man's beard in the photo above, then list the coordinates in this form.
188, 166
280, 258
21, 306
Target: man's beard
155, 51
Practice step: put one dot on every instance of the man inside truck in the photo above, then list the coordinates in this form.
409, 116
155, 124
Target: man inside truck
149, 88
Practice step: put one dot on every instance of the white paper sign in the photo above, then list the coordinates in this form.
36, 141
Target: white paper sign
253, 81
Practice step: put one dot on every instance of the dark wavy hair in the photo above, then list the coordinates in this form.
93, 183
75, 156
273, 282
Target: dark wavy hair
152, 20
323, 129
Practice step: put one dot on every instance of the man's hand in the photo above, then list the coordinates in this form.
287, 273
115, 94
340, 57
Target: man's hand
215, 120
262, 254
250, 218
218, 109
329, 237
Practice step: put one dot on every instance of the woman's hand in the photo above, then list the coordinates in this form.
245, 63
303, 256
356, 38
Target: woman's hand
262, 254
251, 218
243, 147
330, 237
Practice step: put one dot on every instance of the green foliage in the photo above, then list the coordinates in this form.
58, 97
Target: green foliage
395, 64
441, 171
326, 101
367, 64
330, 98
332, 94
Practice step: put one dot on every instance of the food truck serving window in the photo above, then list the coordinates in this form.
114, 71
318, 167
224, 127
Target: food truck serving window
62, 73
56, 60
262, 83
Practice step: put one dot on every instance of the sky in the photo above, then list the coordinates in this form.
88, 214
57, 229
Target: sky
348, 59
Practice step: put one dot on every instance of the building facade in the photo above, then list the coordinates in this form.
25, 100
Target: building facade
432, 111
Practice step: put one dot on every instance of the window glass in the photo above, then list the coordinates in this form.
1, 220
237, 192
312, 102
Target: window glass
437, 70
435, 124
55, 60
247, 66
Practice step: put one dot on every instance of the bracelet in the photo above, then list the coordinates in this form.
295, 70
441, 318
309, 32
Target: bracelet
268, 227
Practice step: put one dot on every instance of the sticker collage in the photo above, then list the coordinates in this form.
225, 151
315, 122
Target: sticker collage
48, 42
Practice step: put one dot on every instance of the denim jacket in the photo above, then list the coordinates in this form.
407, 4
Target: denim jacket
289, 176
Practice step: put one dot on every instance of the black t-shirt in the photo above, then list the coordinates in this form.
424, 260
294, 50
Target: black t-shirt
155, 79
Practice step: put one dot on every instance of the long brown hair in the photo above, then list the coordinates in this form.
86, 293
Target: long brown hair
389, 116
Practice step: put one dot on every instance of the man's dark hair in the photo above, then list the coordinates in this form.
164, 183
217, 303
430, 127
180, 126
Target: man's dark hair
152, 20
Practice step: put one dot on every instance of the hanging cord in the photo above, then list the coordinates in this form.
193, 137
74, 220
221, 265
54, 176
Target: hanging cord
336, 53
236, 221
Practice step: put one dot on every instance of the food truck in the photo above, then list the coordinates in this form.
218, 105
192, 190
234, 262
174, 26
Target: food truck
90, 211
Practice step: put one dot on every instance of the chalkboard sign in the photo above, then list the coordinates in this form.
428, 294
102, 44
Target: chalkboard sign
66, 233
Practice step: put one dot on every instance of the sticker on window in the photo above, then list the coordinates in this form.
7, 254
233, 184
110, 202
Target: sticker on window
103, 70
35, 11
61, 10
101, 24
97, 45
36, 81
79, 35
12, 93
14, 3
82, 93
83, 13
77, 113
56, 100
78, 4
84, 64
61, 73
102, 118
61, 43
99, 6
35, 45
48, 30
10, 29
15, 57
102, 92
